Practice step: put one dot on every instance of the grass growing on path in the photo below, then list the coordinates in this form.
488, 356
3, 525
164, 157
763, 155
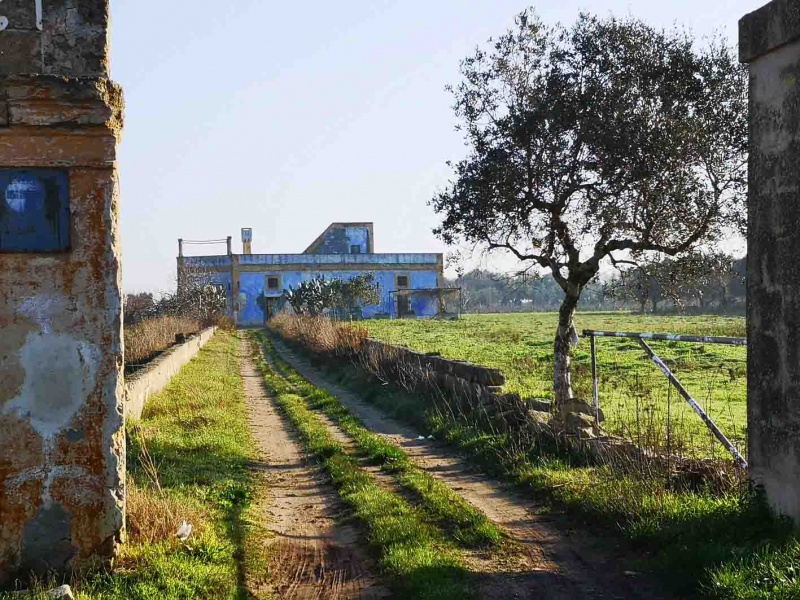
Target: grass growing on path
410, 551
195, 436
723, 546
634, 394
467, 525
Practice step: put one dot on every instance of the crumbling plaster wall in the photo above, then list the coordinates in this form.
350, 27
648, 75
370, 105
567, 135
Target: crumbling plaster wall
61, 439
62, 448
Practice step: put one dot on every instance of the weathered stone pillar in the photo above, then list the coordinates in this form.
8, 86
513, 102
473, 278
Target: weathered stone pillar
62, 448
770, 43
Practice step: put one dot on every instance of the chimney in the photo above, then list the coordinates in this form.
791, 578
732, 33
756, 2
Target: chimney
247, 240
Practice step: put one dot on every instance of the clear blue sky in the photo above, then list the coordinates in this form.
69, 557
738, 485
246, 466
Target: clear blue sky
286, 116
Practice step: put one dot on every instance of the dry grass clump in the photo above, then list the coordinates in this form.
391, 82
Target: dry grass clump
225, 323
153, 516
146, 339
319, 335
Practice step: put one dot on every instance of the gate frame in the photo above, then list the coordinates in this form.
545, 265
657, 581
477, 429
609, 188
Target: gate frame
641, 337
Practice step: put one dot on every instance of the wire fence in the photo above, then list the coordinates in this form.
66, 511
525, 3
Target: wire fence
678, 395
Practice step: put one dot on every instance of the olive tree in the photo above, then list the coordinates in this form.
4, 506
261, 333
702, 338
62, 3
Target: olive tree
592, 144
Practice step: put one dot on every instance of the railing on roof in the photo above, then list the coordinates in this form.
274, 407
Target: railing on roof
324, 259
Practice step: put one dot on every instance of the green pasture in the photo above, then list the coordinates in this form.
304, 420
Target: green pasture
634, 395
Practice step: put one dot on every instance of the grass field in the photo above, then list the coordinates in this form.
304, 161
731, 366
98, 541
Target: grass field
715, 542
708, 541
634, 394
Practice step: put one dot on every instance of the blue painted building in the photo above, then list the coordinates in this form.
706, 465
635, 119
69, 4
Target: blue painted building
411, 285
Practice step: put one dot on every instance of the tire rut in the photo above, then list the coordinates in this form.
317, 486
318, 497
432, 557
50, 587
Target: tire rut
316, 557
543, 561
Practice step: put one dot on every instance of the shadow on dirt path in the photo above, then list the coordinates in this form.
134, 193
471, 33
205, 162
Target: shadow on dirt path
315, 557
547, 561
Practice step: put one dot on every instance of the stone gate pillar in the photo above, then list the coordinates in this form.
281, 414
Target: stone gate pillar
62, 453
769, 41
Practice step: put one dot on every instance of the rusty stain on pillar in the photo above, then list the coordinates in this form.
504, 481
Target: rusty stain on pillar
62, 447
769, 41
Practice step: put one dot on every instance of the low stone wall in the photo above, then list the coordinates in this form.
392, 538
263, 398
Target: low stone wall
155, 376
446, 367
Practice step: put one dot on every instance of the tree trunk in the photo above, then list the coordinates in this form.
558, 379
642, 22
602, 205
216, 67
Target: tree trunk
562, 350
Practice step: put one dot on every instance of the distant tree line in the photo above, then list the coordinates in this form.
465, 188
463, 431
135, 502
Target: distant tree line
699, 282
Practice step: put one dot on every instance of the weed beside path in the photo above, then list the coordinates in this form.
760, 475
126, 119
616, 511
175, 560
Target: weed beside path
188, 459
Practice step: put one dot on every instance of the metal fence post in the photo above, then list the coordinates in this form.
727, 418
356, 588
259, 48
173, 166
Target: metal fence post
641, 337
595, 387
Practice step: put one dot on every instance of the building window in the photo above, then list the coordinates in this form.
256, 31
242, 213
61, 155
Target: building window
402, 282
34, 210
355, 249
273, 283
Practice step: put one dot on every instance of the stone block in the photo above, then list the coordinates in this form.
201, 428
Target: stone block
768, 28
73, 39
20, 52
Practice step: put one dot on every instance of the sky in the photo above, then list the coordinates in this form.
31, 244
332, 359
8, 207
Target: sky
287, 116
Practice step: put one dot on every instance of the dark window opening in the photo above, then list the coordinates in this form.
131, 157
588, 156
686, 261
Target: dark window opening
355, 249
273, 283
34, 210
402, 281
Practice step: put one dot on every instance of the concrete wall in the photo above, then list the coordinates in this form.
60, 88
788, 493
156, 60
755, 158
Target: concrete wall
62, 447
770, 43
461, 369
156, 375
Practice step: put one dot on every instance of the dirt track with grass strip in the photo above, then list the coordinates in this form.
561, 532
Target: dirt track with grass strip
314, 556
542, 561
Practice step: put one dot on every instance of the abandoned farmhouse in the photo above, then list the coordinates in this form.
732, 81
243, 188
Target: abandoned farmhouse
411, 284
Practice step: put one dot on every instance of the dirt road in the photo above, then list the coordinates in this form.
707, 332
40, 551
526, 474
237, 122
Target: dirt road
316, 557
547, 561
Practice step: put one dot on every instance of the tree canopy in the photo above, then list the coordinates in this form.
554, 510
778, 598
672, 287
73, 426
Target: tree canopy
601, 141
